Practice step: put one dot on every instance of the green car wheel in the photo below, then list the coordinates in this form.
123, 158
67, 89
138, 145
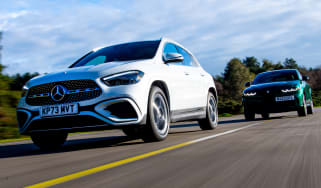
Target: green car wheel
303, 109
310, 108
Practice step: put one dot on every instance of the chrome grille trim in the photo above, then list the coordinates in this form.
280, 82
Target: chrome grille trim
75, 91
68, 92
39, 95
82, 90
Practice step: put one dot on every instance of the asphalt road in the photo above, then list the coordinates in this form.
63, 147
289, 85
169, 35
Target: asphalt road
282, 152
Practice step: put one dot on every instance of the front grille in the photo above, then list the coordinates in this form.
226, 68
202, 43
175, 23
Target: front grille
77, 90
268, 92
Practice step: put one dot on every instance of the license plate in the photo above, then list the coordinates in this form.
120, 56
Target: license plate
58, 110
284, 98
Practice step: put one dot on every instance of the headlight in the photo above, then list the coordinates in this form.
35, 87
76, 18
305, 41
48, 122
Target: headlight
24, 91
250, 94
124, 78
290, 90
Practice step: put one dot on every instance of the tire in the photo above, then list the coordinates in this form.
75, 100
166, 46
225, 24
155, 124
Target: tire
302, 111
158, 119
310, 108
248, 113
132, 132
211, 120
265, 115
49, 141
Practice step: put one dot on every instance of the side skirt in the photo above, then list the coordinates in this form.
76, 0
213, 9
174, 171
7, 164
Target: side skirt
188, 114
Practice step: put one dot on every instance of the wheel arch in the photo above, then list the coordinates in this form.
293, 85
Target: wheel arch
163, 86
214, 92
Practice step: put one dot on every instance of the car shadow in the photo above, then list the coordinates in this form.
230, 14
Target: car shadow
29, 149
184, 132
185, 125
255, 120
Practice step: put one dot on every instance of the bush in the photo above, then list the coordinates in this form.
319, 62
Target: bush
8, 121
9, 98
230, 106
225, 115
9, 132
316, 96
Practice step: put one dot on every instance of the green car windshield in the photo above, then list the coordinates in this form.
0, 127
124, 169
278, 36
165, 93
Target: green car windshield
276, 76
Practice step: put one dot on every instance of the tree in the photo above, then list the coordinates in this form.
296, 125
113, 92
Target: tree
235, 75
267, 65
252, 64
315, 77
1, 66
278, 66
219, 80
4, 80
290, 63
18, 81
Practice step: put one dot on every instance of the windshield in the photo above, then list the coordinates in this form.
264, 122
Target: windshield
121, 52
276, 76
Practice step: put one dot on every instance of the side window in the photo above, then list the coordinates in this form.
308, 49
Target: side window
194, 61
171, 48
299, 75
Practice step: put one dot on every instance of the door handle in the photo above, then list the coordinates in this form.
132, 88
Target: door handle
202, 75
186, 73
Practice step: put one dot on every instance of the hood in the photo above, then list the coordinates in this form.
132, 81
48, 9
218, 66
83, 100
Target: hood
273, 86
87, 72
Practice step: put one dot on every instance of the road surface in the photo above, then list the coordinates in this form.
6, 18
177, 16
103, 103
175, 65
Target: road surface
282, 152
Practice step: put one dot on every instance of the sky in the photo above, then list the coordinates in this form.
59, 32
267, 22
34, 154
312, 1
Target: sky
49, 35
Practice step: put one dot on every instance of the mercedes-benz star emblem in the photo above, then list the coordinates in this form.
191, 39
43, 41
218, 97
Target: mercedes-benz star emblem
58, 93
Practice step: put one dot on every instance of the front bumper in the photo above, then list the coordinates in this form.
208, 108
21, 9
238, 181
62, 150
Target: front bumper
116, 107
268, 104
107, 114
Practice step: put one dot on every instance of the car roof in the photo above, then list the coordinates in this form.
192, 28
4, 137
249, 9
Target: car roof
281, 70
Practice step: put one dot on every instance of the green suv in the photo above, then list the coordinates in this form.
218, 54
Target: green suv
277, 91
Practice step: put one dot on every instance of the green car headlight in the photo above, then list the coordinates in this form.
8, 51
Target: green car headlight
290, 90
124, 78
249, 94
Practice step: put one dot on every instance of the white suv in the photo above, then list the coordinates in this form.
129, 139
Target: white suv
139, 87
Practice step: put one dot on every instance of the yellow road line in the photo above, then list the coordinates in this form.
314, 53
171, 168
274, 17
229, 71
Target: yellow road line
104, 167
128, 160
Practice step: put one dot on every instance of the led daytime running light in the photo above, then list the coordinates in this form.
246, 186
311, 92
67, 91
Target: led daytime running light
250, 94
290, 90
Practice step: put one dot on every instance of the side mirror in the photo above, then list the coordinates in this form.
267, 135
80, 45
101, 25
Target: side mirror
305, 78
247, 84
173, 57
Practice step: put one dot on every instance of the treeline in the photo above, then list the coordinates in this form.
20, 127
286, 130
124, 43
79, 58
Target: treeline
230, 84
14, 82
10, 92
10, 85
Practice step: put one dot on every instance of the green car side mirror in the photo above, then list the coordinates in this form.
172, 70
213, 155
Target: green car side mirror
247, 84
305, 78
